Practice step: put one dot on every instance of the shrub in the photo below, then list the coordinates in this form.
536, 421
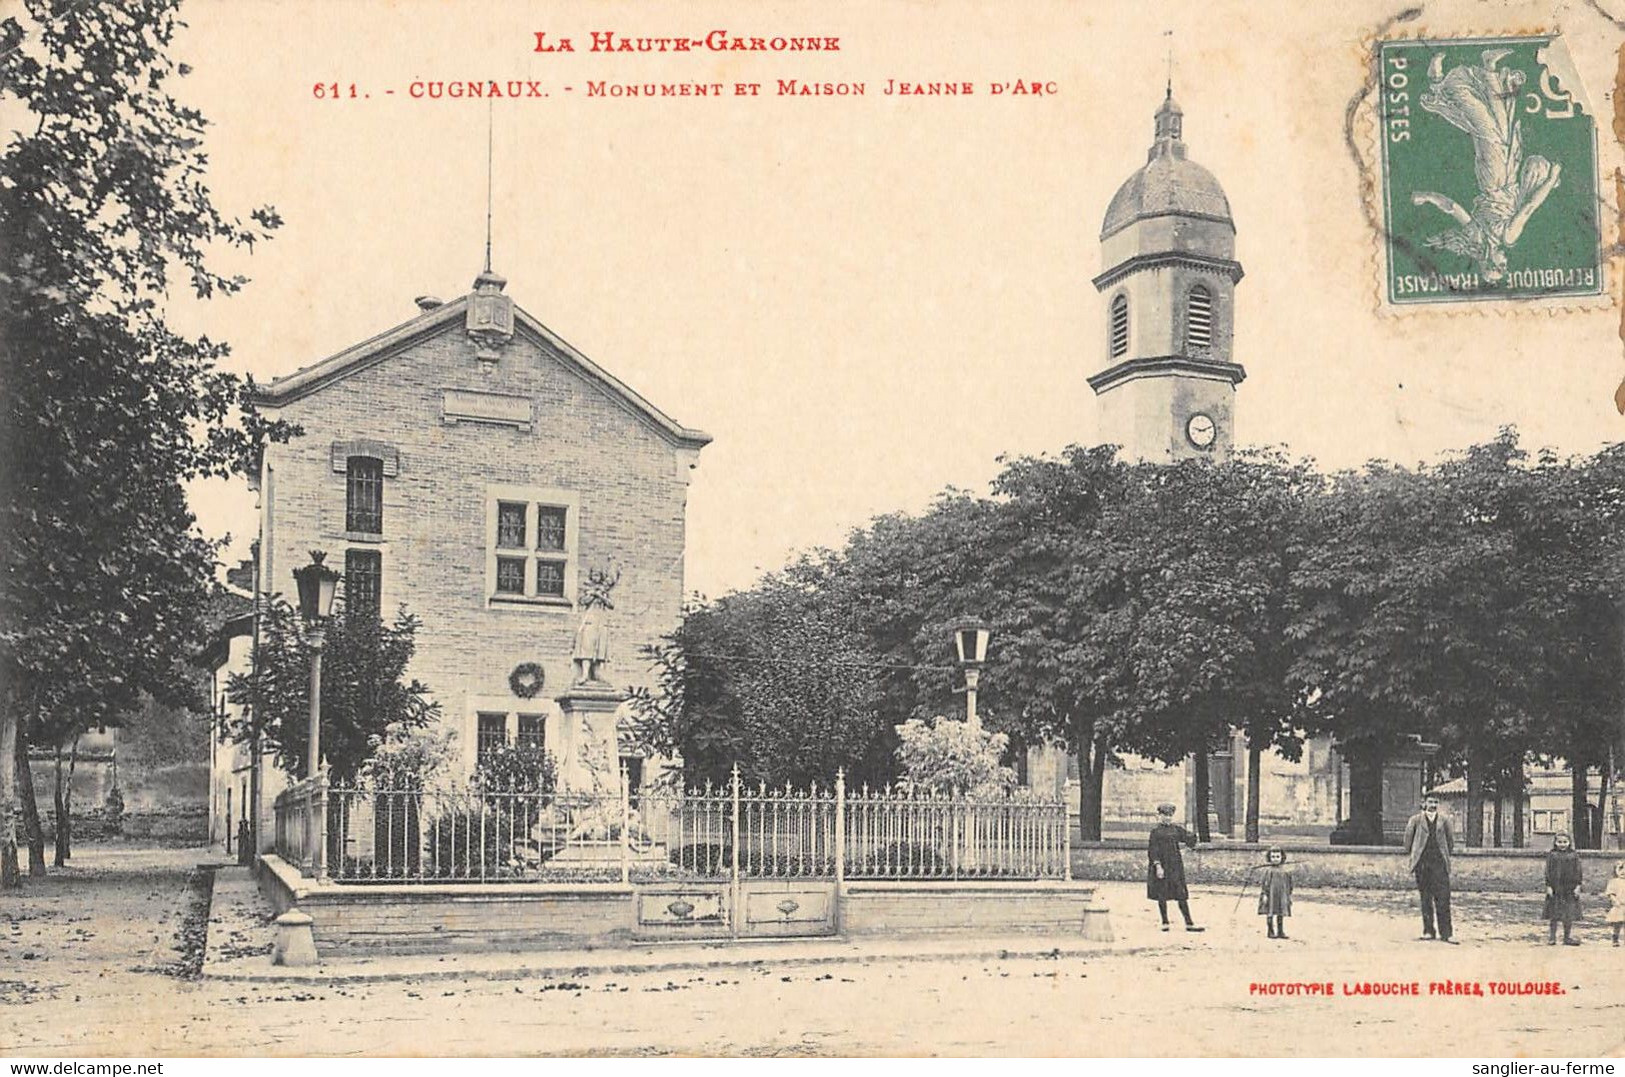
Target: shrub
475, 842
948, 756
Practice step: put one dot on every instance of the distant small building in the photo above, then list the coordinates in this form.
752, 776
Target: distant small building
1547, 809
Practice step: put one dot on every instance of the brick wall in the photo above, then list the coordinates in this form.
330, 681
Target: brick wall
630, 479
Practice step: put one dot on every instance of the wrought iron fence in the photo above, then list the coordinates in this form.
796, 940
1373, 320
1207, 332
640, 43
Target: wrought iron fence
376, 834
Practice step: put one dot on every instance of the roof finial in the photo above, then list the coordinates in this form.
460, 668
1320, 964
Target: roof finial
488, 126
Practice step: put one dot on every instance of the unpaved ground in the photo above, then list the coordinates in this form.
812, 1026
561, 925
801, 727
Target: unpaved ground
109, 976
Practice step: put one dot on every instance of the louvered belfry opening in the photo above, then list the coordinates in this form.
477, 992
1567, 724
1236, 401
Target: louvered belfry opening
1199, 318
1119, 326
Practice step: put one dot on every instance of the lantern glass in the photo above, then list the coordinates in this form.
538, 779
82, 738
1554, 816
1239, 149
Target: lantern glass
970, 641
317, 586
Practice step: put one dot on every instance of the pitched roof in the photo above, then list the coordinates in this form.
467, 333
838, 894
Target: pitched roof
391, 342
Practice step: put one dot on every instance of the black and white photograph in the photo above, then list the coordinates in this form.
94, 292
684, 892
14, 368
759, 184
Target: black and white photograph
821, 530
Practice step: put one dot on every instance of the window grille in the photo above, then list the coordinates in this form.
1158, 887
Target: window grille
1119, 326
363, 580
550, 578
493, 733
531, 731
511, 525
549, 527
1199, 318
364, 495
511, 575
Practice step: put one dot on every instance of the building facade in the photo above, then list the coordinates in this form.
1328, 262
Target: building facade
471, 466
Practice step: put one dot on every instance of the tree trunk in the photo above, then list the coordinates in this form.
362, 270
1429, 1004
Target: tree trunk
1579, 806
1365, 796
67, 801
1204, 794
10, 876
1475, 802
1599, 813
1518, 836
31, 820
59, 813
1091, 790
1499, 800
1255, 772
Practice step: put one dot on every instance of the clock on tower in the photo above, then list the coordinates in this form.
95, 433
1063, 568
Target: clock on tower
1169, 244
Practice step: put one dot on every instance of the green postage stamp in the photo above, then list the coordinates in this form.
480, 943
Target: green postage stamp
1489, 172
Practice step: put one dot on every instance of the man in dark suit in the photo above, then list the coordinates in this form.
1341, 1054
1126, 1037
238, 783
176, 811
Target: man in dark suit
1430, 838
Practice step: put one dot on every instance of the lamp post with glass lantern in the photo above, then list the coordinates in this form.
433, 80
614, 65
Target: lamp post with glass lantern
970, 641
317, 585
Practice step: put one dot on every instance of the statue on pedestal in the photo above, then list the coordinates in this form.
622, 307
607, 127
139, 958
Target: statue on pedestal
591, 650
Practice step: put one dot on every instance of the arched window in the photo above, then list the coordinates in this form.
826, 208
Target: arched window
1119, 326
1199, 318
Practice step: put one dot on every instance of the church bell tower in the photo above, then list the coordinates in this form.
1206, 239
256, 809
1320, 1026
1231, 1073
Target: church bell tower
1169, 247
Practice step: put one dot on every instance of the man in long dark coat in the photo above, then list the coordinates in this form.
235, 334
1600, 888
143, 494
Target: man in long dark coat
1165, 869
1430, 838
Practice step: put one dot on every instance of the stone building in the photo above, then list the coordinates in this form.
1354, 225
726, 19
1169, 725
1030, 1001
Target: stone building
470, 465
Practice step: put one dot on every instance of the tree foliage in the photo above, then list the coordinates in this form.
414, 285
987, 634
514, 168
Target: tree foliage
773, 679
1154, 609
108, 409
366, 698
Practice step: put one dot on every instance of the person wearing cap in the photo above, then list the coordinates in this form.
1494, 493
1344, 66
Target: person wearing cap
1165, 869
1430, 838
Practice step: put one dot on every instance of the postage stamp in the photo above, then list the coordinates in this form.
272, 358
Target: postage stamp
1489, 172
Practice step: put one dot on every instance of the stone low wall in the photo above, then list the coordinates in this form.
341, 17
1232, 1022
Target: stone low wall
453, 919
1367, 867
981, 908
351, 919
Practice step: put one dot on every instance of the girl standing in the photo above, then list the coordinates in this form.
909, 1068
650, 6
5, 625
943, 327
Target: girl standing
1616, 897
1562, 890
1275, 892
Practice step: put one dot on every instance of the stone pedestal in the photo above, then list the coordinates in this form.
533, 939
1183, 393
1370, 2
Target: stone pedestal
589, 761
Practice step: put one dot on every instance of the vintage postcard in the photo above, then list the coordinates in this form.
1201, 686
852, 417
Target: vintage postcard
818, 529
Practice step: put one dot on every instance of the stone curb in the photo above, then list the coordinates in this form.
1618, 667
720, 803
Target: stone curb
744, 957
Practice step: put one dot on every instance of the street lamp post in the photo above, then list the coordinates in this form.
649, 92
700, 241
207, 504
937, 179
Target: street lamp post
317, 585
970, 641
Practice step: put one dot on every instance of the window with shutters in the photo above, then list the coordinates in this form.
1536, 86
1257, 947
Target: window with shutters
531, 546
364, 495
1199, 318
1119, 326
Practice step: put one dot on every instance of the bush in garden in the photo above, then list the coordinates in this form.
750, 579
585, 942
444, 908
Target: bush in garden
947, 756
517, 768
403, 761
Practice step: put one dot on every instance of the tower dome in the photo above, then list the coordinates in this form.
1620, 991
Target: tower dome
1168, 245
1169, 184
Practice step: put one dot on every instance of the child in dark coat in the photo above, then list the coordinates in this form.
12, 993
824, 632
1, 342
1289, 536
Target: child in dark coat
1275, 892
1562, 890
